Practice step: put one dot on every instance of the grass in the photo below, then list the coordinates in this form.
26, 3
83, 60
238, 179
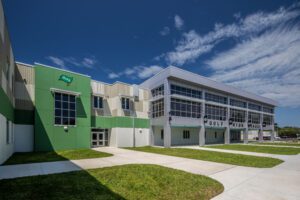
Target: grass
34, 157
259, 149
292, 144
119, 182
220, 157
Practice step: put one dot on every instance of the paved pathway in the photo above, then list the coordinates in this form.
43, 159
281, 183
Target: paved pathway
280, 182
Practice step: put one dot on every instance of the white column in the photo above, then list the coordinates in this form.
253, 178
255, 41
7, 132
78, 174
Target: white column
202, 136
151, 136
245, 135
227, 131
167, 125
246, 130
202, 128
260, 132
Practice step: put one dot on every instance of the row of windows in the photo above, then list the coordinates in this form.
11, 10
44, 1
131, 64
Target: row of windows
175, 89
237, 115
268, 110
64, 109
184, 108
254, 107
238, 103
267, 119
215, 112
158, 108
215, 98
158, 91
253, 118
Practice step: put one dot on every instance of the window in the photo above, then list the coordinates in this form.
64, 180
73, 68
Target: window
254, 107
268, 110
268, 119
237, 115
158, 108
7, 132
186, 134
175, 89
215, 112
65, 109
125, 103
158, 91
215, 134
253, 118
98, 102
185, 108
215, 98
162, 134
238, 103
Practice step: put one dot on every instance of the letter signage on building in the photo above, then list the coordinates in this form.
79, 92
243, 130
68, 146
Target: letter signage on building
66, 79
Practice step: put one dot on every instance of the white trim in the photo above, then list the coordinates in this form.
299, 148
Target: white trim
65, 91
36, 63
21, 63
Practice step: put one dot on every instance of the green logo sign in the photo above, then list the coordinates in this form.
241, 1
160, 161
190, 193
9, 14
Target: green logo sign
66, 79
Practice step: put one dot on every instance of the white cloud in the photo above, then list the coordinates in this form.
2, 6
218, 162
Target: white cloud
59, 62
165, 31
178, 22
192, 45
87, 62
268, 65
113, 75
140, 72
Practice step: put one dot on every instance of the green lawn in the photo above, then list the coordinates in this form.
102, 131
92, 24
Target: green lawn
295, 144
258, 148
228, 158
34, 157
119, 182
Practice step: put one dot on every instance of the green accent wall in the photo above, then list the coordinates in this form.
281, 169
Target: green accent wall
6, 108
48, 136
122, 122
24, 117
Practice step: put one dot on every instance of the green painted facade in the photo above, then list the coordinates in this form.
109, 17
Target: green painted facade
6, 108
48, 136
122, 122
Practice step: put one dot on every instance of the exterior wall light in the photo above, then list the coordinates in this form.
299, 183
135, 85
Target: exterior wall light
264, 124
230, 121
66, 128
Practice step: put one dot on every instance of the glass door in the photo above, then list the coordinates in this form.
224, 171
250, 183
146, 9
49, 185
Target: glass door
100, 138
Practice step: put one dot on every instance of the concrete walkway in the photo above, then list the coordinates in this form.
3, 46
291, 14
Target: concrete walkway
280, 182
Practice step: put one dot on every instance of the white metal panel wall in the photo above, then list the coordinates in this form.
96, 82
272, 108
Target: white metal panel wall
177, 136
112, 137
142, 137
125, 137
6, 150
24, 138
210, 136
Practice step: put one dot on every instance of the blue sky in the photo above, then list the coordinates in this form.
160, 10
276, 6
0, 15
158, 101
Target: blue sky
254, 45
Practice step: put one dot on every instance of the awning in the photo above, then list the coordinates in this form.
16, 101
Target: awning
65, 91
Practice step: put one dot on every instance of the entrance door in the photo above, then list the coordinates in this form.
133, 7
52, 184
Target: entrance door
100, 138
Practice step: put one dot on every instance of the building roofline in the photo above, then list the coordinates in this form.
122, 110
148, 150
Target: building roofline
43, 65
207, 82
21, 63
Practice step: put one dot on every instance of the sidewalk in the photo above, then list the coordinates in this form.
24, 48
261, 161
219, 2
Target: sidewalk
280, 182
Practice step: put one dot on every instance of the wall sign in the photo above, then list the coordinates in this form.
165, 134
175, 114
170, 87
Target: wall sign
66, 79
254, 126
215, 123
237, 125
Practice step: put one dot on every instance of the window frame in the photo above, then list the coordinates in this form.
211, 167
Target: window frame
62, 110
126, 103
98, 104
186, 134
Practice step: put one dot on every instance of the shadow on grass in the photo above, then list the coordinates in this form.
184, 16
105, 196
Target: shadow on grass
72, 185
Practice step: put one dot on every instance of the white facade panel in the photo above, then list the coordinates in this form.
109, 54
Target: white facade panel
6, 149
214, 136
24, 137
177, 136
125, 137
157, 140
